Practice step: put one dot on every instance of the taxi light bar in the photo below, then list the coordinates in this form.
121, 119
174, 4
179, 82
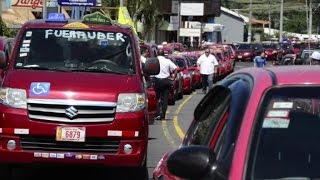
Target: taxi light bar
97, 18
56, 17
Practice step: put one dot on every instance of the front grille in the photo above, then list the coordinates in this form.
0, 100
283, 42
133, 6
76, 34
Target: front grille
71, 111
97, 145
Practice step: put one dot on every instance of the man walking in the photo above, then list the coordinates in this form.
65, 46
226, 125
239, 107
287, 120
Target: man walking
206, 63
163, 83
260, 61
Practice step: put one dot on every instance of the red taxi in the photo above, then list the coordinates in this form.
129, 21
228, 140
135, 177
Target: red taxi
196, 78
255, 124
73, 92
176, 46
184, 68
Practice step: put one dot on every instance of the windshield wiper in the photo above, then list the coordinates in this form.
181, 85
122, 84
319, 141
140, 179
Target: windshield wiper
101, 71
34, 67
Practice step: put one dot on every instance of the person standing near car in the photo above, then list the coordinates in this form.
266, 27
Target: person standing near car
260, 61
163, 83
206, 63
315, 58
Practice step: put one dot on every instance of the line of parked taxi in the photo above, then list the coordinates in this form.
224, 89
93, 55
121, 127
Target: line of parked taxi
189, 77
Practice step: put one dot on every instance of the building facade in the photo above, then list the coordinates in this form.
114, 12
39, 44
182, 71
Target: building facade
234, 25
168, 30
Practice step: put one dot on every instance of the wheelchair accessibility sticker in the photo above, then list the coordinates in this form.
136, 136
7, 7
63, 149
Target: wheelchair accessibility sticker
39, 89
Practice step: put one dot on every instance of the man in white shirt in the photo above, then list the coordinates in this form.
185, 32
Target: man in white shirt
206, 63
163, 83
144, 55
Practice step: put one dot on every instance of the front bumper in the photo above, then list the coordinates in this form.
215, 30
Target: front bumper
105, 143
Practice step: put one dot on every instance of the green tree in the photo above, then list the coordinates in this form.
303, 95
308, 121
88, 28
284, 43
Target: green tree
295, 22
225, 3
145, 11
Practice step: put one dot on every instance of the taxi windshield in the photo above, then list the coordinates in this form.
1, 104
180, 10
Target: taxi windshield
76, 50
286, 139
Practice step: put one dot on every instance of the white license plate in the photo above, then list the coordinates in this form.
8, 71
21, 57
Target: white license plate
72, 134
239, 56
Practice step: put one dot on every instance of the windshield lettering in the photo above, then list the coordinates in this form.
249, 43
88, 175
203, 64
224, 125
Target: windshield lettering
84, 35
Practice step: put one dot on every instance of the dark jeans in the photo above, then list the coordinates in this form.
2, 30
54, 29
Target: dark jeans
204, 79
162, 87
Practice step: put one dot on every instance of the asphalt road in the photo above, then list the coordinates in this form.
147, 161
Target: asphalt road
165, 135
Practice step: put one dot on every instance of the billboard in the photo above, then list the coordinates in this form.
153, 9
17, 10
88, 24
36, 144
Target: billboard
191, 9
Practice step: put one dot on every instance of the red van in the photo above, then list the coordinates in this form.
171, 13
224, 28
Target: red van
73, 92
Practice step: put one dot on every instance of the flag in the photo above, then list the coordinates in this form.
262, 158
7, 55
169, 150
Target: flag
124, 18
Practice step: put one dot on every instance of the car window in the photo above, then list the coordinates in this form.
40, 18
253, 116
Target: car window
244, 46
286, 135
76, 50
224, 148
180, 62
201, 130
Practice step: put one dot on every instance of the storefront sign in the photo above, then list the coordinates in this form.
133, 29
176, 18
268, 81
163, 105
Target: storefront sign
77, 2
27, 3
186, 32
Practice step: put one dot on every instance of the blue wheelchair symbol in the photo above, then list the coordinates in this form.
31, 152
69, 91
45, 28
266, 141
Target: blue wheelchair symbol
39, 88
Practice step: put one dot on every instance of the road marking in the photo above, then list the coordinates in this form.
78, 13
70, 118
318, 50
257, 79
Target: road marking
176, 119
167, 134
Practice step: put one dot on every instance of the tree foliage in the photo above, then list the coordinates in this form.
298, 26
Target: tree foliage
5, 31
145, 11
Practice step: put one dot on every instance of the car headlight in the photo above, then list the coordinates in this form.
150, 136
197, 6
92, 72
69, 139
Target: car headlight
12, 97
131, 102
274, 52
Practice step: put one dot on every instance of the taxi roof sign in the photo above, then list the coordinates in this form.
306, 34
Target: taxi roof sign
97, 18
56, 17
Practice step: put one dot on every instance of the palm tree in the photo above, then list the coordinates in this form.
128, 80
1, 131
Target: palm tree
145, 11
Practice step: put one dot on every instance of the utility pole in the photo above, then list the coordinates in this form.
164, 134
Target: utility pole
269, 18
310, 20
281, 21
307, 15
44, 9
179, 21
250, 19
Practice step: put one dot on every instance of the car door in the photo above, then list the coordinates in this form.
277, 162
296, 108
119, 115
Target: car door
223, 144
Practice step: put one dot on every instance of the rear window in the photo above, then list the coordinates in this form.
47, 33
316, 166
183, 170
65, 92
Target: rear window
244, 46
180, 62
287, 135
75, 50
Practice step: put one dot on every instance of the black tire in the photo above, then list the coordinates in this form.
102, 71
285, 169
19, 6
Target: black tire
173, 100
140, 173
6, 172
180, 95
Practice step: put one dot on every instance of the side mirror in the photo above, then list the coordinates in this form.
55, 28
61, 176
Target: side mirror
191, 162
152, 66
2, 59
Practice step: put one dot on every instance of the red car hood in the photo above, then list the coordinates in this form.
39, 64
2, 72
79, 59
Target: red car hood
74, 85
